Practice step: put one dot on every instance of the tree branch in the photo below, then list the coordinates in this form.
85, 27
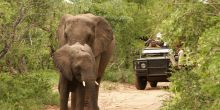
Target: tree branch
18, 21
4, 50
20, 18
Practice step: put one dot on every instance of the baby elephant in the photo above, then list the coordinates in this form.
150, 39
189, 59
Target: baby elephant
76, 64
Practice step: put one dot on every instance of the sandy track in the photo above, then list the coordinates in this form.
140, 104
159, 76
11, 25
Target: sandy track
116, 96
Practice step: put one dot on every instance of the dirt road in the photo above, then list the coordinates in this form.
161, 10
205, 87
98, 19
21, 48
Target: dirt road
116, 96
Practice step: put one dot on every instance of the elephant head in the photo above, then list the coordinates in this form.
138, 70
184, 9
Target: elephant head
76, 62
86, 29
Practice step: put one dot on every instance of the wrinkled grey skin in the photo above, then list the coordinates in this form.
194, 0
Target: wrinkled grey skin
76, 64
96, 32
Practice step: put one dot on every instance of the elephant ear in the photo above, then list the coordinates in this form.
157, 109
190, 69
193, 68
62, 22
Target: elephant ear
103, 36
61, 30
63, 62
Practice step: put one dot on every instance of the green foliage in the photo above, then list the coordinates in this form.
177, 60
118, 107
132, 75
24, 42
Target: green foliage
18, 92
209, 66
36, 32
186, 89
197, 26
193, 23
28, 27
115, 74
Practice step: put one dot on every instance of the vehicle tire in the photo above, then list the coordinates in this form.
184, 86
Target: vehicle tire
140, 83
153, 84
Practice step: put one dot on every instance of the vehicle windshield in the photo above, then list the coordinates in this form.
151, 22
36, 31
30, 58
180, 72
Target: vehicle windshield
155, 52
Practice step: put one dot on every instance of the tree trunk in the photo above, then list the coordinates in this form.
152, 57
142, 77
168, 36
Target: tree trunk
4, 51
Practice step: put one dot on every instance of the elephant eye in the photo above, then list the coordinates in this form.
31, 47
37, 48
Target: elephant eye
89, 38
89, 35
65, 36
77, 69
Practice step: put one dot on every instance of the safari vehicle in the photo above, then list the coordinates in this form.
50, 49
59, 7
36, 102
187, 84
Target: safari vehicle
152, 66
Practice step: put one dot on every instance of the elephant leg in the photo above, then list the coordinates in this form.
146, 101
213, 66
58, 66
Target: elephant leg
80, 96
93, 97
64, 93
73, 100
91, 101
104, 59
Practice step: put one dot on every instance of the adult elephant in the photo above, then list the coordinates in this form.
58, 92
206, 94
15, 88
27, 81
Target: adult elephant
94, 31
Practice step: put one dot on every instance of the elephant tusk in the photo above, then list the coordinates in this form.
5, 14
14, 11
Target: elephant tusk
84, 83
96, 83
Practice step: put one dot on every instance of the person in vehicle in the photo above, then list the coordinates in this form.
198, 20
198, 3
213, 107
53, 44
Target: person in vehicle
147, 43
172, 59
181, 61
182, 58
153, 44
159, 41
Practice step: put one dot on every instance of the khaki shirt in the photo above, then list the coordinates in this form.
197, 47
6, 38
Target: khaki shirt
172, 58
182, 58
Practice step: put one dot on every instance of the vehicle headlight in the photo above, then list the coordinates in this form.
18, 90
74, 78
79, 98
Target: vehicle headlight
143, 65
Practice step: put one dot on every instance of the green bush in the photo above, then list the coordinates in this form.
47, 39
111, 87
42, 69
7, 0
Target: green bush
119, 75
29, 91
199, 88
186, 88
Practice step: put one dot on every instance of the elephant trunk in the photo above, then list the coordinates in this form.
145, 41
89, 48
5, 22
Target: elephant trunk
88, 77
88, 72
91, 101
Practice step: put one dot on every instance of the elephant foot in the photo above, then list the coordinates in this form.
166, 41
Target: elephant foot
87, 108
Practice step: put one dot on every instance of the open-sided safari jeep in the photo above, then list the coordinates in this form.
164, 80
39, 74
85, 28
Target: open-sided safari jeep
152, 66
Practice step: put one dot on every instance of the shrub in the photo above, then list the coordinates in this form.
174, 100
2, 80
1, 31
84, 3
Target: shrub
26, 91
199, 88
186, 88
119, 75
